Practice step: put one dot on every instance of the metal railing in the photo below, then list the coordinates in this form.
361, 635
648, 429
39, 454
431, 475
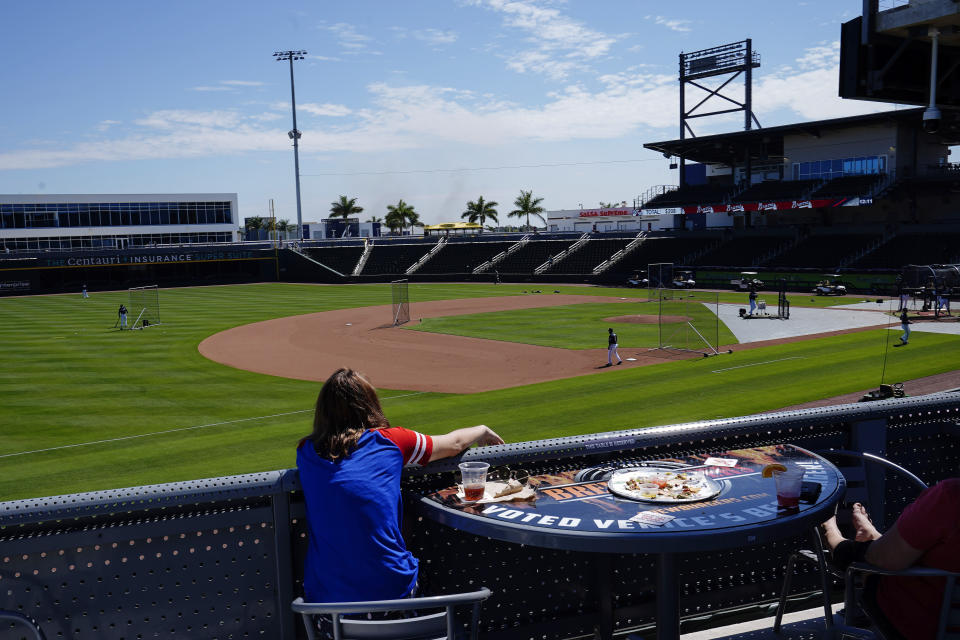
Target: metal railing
222, 557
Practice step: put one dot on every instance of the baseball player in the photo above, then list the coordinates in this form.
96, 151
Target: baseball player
612, 348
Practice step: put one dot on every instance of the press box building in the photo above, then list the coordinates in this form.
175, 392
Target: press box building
115, 221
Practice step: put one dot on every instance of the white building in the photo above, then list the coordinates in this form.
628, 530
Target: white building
86, 221
606, 220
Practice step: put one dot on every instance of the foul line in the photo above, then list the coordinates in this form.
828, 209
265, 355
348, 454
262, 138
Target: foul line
755, 364
199, 426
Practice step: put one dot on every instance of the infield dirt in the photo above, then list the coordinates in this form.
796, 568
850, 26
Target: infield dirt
312, 346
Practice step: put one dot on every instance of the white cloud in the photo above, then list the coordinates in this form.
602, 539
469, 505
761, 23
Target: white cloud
563, 44
229, 85
325, 58
628, 103
326, 109
674, 24
348, 38
435, 36
103, 125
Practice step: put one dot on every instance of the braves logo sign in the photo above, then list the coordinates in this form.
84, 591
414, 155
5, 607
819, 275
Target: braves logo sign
801, 204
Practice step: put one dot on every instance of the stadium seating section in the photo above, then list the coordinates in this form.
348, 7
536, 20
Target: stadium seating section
675, 250
591, 254
531, 255
823, 251
913, 248
776, 190
847, 186
342, 259
394, 258
740, 252
689, 195
463, 257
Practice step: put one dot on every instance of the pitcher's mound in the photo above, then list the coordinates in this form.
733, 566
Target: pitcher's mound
648, 319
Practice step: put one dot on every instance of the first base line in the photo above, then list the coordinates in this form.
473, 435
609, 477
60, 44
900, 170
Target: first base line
166, 431
756, 364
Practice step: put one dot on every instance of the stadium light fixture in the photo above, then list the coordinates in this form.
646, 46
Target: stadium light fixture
294, 134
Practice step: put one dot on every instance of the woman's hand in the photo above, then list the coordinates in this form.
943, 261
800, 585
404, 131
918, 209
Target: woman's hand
488, 437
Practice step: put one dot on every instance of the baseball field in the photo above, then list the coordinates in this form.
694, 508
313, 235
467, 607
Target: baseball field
225, 385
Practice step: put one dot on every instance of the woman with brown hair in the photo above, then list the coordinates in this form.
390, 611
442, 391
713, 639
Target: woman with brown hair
350, 467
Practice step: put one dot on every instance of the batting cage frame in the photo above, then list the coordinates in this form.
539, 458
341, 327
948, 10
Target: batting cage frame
144, 306
688, 320
400, 290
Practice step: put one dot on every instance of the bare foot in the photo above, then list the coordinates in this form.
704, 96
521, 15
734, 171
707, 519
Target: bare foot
863, 525
831, 533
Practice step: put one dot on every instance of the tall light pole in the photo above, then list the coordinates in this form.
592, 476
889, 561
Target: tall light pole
294, 134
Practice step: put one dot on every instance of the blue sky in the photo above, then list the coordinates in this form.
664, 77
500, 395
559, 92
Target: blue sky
433, 101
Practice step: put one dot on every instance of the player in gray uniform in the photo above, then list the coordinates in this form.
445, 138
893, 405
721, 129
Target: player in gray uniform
612, 348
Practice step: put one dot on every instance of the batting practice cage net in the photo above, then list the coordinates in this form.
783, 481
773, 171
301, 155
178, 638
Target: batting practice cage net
144, 306
659, 276
689, 321
401, 301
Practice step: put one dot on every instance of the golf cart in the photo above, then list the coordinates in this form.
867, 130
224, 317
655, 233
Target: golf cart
636, 281
683, 280
746, 280
830, 286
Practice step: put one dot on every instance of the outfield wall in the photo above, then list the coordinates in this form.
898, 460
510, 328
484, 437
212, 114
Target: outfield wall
25, 273
222, 557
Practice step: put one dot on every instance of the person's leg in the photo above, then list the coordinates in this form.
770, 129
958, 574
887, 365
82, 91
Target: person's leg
906, 334
610, 355
616, 352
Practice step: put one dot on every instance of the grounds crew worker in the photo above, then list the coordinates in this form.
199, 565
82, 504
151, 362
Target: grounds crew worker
122, 312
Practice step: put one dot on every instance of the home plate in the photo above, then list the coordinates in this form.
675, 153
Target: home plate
631, 359
349, 324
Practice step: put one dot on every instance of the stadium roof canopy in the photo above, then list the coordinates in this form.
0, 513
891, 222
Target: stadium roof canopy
765, 145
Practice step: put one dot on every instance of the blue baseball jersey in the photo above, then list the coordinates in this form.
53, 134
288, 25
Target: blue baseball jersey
356, 550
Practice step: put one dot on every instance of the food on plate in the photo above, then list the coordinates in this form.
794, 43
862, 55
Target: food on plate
666, 485
771, 469
511, 487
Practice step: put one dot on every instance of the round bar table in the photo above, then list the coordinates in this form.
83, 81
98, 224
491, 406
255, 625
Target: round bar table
576, 511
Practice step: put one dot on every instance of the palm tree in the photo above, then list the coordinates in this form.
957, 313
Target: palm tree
404, 213
394, 221
254, 223
375, 219
480, 211
345, 207
284, 226
526, 206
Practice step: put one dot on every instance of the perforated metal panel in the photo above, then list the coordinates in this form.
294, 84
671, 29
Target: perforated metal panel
222, 557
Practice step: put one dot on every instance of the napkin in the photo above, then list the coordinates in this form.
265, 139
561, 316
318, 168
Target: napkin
492, 489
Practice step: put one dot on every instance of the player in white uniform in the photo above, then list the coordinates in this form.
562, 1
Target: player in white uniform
612, 348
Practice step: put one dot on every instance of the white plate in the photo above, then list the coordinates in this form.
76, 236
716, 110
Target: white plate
617, 485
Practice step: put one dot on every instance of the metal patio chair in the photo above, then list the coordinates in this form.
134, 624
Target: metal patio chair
23, 621
948, 627
440, 625
854, 467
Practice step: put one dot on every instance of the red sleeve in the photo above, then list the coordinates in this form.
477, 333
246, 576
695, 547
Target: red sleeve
932, 517
415, 447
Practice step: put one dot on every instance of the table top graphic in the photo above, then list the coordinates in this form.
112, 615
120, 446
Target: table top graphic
575, 509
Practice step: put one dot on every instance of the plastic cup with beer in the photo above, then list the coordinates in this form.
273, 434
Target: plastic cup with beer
473, 476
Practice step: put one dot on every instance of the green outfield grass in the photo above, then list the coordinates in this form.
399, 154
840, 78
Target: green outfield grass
146, 407
583, 326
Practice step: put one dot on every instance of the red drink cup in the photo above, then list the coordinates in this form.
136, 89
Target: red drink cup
788, 487
473, 492
474, 478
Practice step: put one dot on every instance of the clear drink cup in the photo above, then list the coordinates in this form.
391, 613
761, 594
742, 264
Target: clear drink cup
473, 476
788, 486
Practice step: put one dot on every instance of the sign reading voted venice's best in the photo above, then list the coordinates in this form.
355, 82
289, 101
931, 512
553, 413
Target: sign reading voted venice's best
581, 501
